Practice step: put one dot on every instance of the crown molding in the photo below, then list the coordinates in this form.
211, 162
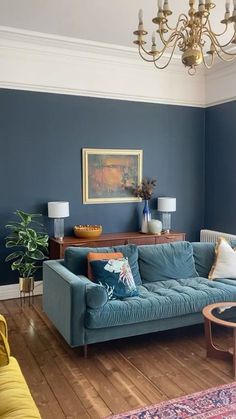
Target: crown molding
220, 83
9, 292
50, 63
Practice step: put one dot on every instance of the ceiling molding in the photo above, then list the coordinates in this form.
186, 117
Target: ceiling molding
220, 83
50, 63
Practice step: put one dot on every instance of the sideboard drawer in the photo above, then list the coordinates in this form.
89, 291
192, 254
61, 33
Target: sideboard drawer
168, 238
141, 240
105, 243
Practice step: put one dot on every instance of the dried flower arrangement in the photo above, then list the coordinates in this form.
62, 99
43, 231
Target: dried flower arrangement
145, 189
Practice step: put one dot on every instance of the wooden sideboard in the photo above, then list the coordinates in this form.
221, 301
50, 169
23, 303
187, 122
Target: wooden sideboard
57, 247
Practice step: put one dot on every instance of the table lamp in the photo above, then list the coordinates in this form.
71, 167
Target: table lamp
58, 210
166, 206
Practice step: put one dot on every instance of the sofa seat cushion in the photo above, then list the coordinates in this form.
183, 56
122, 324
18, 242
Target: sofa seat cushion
162, 300
15, 399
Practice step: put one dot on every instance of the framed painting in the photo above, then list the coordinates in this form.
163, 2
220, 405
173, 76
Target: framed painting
108, 175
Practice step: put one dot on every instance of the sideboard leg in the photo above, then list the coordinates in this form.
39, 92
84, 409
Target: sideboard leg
85, 351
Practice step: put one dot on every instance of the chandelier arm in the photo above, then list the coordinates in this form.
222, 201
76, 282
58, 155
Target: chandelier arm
170, 58
225, 59
204, 24
183, 19
174, 30
218, 34
141, 47
221, 47
172, 37
153, 60
208, 66
232, 56
160, 54
212, 38
178, 36
144, 58
147, 53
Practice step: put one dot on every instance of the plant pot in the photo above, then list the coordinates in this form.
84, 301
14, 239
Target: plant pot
26, 284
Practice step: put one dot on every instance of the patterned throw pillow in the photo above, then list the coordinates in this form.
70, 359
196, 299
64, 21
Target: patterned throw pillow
101, 256
115, 274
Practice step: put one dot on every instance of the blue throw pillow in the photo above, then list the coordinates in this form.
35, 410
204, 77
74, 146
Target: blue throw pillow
160, 262
204, 256
115, 274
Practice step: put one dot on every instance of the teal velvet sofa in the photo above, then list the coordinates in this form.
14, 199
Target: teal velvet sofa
172, 284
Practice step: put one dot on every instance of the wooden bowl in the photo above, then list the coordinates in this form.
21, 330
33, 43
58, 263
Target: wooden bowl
87, 231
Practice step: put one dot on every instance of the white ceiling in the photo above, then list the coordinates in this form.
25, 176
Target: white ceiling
107, 21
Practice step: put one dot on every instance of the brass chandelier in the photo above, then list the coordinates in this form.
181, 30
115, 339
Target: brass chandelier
192, 34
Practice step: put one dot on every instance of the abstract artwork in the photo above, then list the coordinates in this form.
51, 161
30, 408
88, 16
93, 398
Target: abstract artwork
109, 175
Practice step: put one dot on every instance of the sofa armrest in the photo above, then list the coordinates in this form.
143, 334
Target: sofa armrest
3, 326
64, 300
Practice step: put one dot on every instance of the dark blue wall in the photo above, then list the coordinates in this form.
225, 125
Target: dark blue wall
221, 168
41, 140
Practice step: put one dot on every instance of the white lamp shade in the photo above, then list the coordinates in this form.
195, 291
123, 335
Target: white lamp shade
167, 204
58, 209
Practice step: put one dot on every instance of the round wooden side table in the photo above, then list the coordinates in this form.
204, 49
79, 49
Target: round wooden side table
223, 314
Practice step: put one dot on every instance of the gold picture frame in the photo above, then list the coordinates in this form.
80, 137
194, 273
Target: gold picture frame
108, 175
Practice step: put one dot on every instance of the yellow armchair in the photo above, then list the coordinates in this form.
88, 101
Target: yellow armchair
16, 401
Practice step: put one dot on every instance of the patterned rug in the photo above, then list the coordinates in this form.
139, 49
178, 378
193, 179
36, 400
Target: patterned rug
217, 403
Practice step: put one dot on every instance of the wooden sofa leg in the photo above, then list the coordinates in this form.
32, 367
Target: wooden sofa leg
85, 351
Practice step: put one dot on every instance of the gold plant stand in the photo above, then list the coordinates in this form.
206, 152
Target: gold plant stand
26, 289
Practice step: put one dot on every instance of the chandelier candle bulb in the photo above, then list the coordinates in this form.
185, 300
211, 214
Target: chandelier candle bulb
234, 12
140, 16
166, 6
153, 39
201, 6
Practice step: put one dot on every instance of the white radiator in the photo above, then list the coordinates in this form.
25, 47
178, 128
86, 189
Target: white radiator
212, 236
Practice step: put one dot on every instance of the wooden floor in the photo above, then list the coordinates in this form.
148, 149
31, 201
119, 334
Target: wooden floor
118, 376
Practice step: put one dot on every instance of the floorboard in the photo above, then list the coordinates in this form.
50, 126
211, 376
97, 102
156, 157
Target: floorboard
118, 375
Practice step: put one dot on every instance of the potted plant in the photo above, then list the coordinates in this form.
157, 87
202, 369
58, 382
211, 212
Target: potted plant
145, 192
31, 243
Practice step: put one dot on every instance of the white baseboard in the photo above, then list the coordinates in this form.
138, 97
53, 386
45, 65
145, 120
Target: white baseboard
8, 292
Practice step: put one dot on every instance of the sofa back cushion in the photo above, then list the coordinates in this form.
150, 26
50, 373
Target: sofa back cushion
204, 256
76, 258
161, 262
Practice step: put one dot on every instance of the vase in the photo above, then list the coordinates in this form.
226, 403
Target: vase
155, 227
146, 217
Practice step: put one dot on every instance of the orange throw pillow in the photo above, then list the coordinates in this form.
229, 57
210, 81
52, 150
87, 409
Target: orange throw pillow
101, 256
